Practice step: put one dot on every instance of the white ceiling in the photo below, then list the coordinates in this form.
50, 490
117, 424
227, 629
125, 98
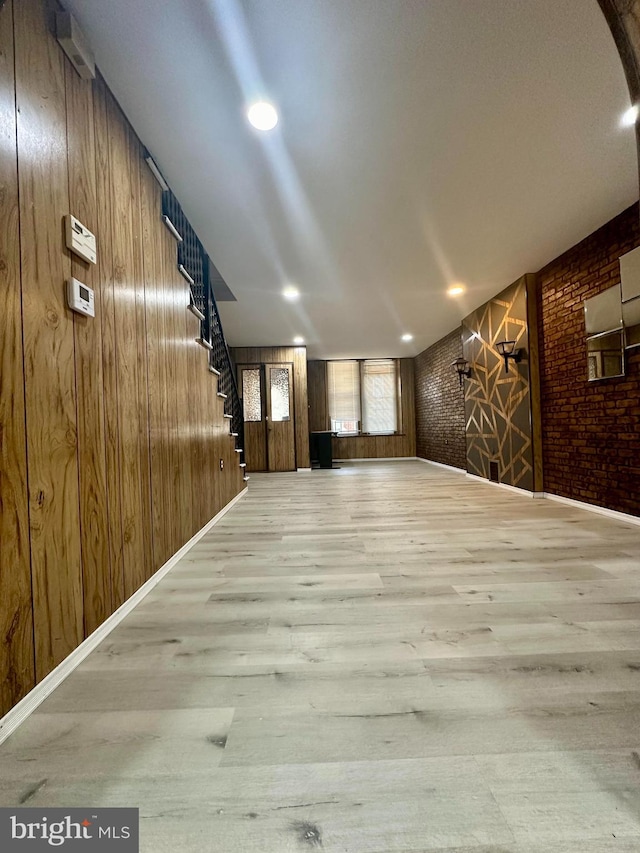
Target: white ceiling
420, 143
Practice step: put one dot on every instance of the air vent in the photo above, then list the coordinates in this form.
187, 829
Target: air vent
494, 473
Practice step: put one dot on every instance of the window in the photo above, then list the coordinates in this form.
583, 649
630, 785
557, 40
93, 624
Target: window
343, 382
363, 396
379, 396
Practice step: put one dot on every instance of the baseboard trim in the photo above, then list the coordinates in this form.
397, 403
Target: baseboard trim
380, 459
599, 510
442, 465
26, 706
302, 470
522, 492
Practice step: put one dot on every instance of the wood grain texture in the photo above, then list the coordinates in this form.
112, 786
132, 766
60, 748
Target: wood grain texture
136, 163
16, 611
94, 520
50, 393
317, 385
198, 374
255, 445
298, 356
301, 403
169, 263
128, 378
109, 462
281, 448
368, 674
109, 341
185, 428
155, 346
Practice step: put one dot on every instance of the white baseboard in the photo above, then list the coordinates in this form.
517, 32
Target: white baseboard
522, 492
25, 707
302, 470
442, 465
600, 510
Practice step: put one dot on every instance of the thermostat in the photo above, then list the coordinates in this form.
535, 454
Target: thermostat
80, 297
79, 239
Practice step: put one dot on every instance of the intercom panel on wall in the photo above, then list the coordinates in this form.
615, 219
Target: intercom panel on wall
80, 298
79, 239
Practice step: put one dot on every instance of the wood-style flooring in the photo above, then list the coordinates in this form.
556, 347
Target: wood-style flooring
384, 658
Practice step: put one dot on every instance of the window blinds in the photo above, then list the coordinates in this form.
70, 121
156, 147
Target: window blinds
379, 395
343, 386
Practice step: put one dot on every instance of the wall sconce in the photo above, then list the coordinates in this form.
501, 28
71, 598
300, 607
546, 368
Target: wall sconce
461, 366
507, 350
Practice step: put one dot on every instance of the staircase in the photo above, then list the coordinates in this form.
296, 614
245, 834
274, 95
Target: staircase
195, 266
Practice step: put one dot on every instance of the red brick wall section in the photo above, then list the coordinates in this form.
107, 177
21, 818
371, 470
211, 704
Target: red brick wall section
591, 430
440, 419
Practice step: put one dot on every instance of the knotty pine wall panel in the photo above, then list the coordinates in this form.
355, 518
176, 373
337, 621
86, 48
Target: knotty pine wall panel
94, 520
17, 674
50, 394
116, 469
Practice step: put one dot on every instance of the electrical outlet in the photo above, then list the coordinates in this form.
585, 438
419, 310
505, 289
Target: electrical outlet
222, 464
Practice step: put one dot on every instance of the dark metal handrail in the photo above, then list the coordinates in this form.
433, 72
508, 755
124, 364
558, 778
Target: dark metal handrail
195, 262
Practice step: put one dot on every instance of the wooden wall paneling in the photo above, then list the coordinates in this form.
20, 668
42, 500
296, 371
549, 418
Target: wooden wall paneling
136, 163
106, 318
217, 426
50, 396
94, 514
129, 420
197, 365
301, 401
154, 294
317, 395
16, 612
171, 360
185, 426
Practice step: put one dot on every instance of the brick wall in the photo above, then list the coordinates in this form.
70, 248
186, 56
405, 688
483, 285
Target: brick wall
591, 430
440, 418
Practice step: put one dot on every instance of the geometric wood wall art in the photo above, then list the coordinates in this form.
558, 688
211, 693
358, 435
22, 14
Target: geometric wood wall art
498, 404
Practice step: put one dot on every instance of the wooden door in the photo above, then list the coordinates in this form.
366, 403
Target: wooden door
281, 447
254, 410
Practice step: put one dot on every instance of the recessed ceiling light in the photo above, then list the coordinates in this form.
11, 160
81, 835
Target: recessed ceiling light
291, 293
262, 115
456, 290
298, 340
407, 337
629, 117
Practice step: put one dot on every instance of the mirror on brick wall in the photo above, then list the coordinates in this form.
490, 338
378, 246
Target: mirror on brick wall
605, 338
631, 320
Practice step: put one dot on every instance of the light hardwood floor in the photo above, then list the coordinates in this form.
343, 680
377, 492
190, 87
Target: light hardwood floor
385, 658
